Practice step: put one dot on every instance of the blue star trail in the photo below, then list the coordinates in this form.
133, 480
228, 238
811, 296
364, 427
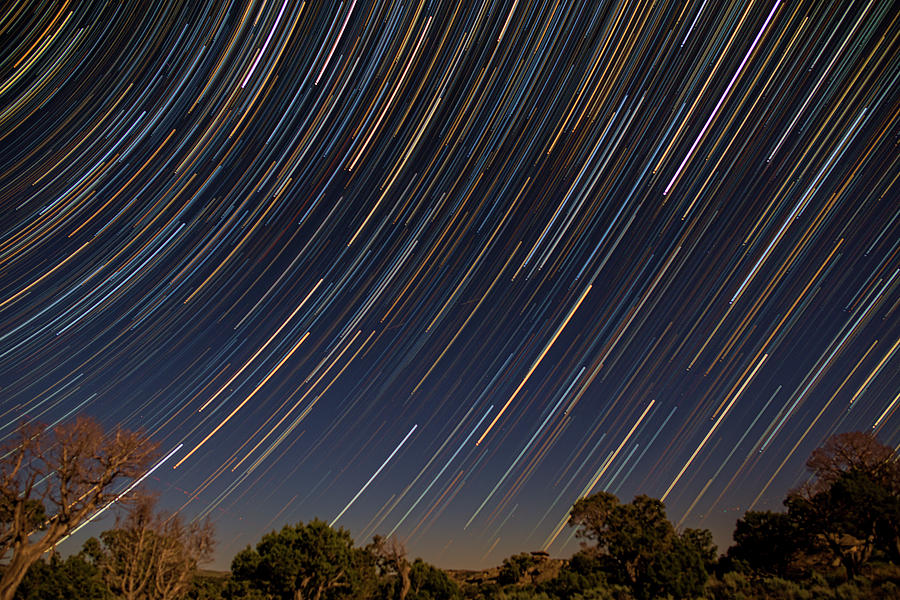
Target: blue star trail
440, 268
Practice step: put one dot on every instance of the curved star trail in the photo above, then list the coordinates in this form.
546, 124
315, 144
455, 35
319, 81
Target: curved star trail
449, 266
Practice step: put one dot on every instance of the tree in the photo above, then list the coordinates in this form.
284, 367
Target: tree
856, 466
205, 586
52, 480
766, 542
150, 555
313, 561
854, 451
851, 507
391, 562
640, 546
584, 572
680, 571
700, 542
514, 568
629, 535
58, 579
430, 583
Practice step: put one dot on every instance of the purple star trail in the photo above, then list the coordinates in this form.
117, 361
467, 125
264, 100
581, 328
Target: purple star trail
440, 268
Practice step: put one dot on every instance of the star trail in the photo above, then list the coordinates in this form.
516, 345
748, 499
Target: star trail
438, 269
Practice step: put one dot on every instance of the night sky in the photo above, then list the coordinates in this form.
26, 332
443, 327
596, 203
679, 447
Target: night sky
438, 269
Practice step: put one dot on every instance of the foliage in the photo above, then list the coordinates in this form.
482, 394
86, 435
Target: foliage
58, 579
206, 587
744, 586
514, 568
521, 594
585, 571
52, 480
853, 451
319, 562
680, 571
700, 541
393, 568
850, 510
430, 583
149, 555
304, 561
843, 523
838, 540
615, 592
639, 547
765, 542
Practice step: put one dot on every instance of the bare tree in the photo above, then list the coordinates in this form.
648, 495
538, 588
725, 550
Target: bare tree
151, 555
851, 507
853, 451
52, 480
390, 556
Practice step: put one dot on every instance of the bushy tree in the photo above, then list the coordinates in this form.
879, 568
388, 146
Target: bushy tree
858, 451
640, 547
430, 583
52, 480
850, 508
765, 542
682, 569
515, 568
63, 579
583, 574
312, 561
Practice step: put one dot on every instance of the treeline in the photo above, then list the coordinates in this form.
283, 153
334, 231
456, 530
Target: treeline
838, 538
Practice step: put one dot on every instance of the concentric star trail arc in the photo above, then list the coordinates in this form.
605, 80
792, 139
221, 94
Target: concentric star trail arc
573, 246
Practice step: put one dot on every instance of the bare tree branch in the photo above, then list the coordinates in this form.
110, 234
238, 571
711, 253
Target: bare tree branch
51, 481
152, 555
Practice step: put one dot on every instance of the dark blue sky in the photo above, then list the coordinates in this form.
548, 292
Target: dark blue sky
440, 268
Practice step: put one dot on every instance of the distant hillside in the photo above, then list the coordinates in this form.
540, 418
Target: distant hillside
543, 569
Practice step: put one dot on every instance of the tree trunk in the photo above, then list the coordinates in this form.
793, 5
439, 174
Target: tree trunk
404, 580
15, 572
849, 565
631, 569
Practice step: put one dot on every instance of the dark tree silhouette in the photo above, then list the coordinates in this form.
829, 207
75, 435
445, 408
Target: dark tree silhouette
63, 579
766, 542
430, 583
312, 561
640, 546
851, 507
515, 568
